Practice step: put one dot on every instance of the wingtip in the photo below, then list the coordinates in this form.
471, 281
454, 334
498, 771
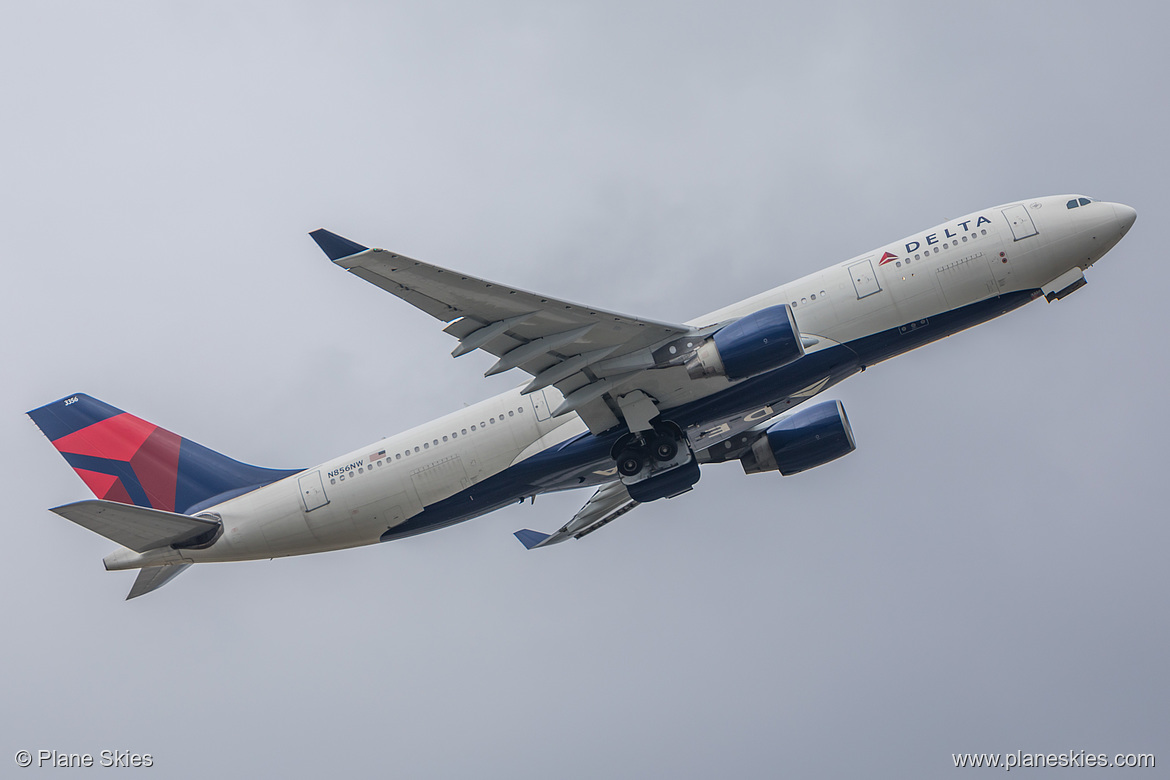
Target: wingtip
530, 539
334, 246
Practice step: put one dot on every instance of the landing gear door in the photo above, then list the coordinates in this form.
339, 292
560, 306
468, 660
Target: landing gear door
1021, 222
312, 491
864, 279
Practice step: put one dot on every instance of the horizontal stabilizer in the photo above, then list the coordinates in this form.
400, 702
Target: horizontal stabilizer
154, 577
531, 539
334, 246
136, 527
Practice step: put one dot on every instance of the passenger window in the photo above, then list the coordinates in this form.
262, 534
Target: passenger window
436, 442
492, 420
426, 445
464, 431
511, 413
398, 456
333, 482
416, 449
444, 438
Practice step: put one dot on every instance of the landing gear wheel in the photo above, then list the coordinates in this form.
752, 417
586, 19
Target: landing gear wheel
665, 449
631, 462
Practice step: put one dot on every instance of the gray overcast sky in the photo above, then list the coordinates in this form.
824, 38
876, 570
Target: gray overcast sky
986, 573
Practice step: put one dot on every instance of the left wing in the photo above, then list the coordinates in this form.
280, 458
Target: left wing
585, 352
610, 502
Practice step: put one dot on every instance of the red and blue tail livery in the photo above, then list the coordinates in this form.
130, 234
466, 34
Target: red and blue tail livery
126, 459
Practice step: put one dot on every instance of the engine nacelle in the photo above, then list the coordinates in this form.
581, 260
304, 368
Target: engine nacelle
804, 440
759, 342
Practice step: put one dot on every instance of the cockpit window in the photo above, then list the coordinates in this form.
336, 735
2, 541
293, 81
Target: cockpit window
1072, 204
1084, 201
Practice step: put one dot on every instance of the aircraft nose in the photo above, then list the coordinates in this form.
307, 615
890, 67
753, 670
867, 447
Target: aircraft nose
1125, 217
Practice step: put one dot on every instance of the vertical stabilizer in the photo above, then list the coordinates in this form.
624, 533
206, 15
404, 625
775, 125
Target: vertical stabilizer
126, 459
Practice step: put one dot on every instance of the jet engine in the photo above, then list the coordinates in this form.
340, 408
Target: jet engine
811, 437
759, 342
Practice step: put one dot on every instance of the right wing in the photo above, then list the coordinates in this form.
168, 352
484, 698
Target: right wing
610, 502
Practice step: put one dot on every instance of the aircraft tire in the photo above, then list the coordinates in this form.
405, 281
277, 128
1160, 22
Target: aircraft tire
631, 462
665, 449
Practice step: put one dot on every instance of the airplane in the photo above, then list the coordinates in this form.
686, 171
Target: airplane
629, 407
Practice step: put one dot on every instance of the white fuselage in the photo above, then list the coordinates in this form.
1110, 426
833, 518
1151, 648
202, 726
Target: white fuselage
354, 499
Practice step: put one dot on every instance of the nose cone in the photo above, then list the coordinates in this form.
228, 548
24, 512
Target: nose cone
1125, 217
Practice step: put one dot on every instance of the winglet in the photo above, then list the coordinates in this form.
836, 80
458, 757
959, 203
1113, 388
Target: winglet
334, 246
530, 539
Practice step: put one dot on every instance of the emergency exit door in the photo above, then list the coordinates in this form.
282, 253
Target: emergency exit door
540, 404
313, 491
864, 279
1020, 221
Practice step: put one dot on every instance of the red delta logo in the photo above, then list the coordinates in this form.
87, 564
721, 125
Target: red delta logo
887, 258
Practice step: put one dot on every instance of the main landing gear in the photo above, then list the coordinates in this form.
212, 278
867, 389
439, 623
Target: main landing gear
656, 464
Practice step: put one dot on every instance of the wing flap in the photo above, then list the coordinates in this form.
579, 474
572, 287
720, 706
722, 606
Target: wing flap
136, 527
